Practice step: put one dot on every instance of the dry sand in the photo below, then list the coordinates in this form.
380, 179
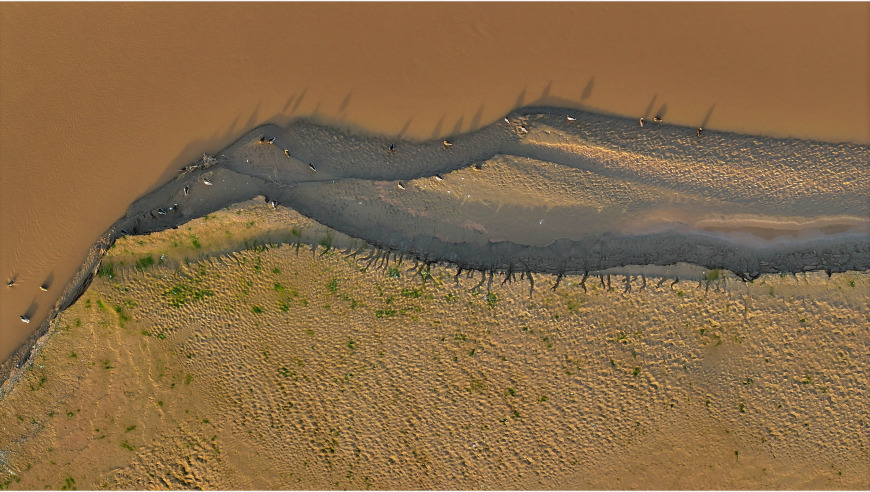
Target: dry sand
285, 369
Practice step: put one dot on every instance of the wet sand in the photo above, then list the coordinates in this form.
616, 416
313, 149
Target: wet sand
186, 364
87, 123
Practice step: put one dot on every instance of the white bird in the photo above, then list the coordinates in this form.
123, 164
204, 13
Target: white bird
438, 177
287, 152
448, 143
186, 190
25, 319
700, 131
657, 119
311, 166
401, 186
274, 205
161, 211
10, 283
206, 182
571, 118
267, 140
507, 120
523, 129
641, 122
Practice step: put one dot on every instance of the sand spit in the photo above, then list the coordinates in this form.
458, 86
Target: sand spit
186, 364
539, 193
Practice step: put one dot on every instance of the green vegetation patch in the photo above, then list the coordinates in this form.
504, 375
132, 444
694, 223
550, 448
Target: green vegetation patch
145, 262
182, 294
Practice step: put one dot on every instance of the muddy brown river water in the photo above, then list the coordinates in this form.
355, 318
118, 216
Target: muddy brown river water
101, 103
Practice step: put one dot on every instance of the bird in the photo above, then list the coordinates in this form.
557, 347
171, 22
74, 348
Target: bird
287, 152
161, 211
206, 182
392, 147
448, 143
267, 140
311, 166
571, 118
274, 205
438, 177
700, 131
507, 120
401, 186
641, 122
523, 129
25, 318
174, 207
43, 288
657, 119
124, 232
186, 190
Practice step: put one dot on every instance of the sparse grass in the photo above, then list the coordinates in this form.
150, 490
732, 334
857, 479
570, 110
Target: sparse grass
106, 270
145, 262
182, 294
491, 299
256, 309
278, 287
394, 272
385, 313
333, 285
195, 242
126, 446
412, 293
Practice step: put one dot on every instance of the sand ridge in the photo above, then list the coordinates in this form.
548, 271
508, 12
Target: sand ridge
273, 367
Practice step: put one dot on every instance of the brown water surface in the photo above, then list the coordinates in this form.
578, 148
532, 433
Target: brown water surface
101, 103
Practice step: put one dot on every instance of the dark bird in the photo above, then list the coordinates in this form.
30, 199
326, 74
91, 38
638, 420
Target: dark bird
657, 119
186, 190
311, 166
392, 147
25, 318
700, 131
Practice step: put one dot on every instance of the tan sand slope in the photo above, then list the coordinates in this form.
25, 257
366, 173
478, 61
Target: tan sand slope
272, 369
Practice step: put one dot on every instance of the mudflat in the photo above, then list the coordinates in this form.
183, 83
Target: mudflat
201, 357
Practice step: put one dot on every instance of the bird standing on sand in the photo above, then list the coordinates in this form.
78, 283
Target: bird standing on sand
438, 177
641, 121
570, 118
507, 120
287, 152
267, 140
311, 166
700, 131
657, 119
25, 318
523, 129
392, 147
274, 205
206, 182
401, 186
10, 283
43, 288
186, 190
448, 143
161, 211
